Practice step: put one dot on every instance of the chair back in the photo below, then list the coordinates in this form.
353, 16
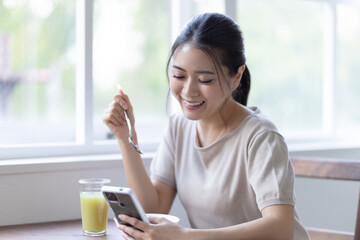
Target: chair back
337, 169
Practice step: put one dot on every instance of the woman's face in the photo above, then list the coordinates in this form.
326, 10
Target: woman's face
195, 84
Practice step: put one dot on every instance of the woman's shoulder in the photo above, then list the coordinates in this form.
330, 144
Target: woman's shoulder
259, 129
257, 122
178, 122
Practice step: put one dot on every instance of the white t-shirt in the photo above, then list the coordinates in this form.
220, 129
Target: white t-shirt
233, 179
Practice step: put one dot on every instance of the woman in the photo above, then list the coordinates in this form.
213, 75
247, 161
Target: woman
227, 162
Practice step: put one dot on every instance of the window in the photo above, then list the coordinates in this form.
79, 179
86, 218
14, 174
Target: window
131, 45
60, 62
303, 57
37, 72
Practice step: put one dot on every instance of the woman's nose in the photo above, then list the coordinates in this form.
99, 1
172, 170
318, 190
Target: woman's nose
191, 88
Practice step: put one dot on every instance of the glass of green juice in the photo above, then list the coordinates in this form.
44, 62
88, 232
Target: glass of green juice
94, 209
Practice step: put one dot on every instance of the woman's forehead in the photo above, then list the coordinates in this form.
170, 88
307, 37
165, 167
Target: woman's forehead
189, 56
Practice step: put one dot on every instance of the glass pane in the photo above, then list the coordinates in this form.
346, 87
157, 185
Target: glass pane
131, 44
37, 71
284, 43
348, 65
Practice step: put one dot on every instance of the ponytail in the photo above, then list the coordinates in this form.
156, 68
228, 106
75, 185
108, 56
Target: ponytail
241, 93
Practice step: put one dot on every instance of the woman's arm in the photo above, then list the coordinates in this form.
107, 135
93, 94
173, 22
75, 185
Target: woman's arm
277, 222
154, 197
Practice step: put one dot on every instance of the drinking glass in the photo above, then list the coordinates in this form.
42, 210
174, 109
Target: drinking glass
94, 208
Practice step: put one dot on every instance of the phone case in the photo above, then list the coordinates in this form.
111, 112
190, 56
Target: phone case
122, 200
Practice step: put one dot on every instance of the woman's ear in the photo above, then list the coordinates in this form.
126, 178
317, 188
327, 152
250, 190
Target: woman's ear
238, 77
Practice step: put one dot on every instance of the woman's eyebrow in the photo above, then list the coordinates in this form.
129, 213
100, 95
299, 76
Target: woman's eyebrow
198, 72
177, 67
204, 72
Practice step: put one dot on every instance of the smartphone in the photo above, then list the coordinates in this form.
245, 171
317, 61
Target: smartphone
122, 200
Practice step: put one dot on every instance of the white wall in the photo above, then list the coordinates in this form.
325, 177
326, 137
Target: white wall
47, 190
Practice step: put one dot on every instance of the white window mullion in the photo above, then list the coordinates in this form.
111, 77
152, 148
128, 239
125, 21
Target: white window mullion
209, 6
181, 12
231, 9
84, 82
329, 69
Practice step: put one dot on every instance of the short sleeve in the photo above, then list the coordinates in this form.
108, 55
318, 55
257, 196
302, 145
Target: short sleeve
162, 165
271, 173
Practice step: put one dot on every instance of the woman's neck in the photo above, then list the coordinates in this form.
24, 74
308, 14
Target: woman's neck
211, 130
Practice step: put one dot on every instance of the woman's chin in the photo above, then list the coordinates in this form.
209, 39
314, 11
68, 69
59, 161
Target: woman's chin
190, 115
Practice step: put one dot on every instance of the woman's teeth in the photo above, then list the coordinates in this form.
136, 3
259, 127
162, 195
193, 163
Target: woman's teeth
194, 104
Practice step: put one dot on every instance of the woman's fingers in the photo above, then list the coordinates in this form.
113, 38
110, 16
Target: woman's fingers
134, 222
125, 97
122, 101
127, 236
130, 230
115, 114
118, 112
157, 220
127, 106
130, 233
159, 228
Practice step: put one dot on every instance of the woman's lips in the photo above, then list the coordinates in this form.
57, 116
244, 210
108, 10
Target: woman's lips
193, 104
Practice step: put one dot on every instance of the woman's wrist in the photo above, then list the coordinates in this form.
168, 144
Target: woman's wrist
189, 233
198, 234
125, 145
122, 138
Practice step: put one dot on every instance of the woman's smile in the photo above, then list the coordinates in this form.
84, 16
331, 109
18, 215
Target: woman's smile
193, 105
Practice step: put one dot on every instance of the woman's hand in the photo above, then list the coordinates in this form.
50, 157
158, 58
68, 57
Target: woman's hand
158, 229
114, 116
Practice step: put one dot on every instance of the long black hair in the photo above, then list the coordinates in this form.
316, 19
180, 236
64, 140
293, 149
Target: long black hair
220, 38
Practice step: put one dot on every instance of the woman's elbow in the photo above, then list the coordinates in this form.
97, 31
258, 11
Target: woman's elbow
282, 221
286, 228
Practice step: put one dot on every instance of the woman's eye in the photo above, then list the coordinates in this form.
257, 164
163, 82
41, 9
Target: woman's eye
178, 77
205, 81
